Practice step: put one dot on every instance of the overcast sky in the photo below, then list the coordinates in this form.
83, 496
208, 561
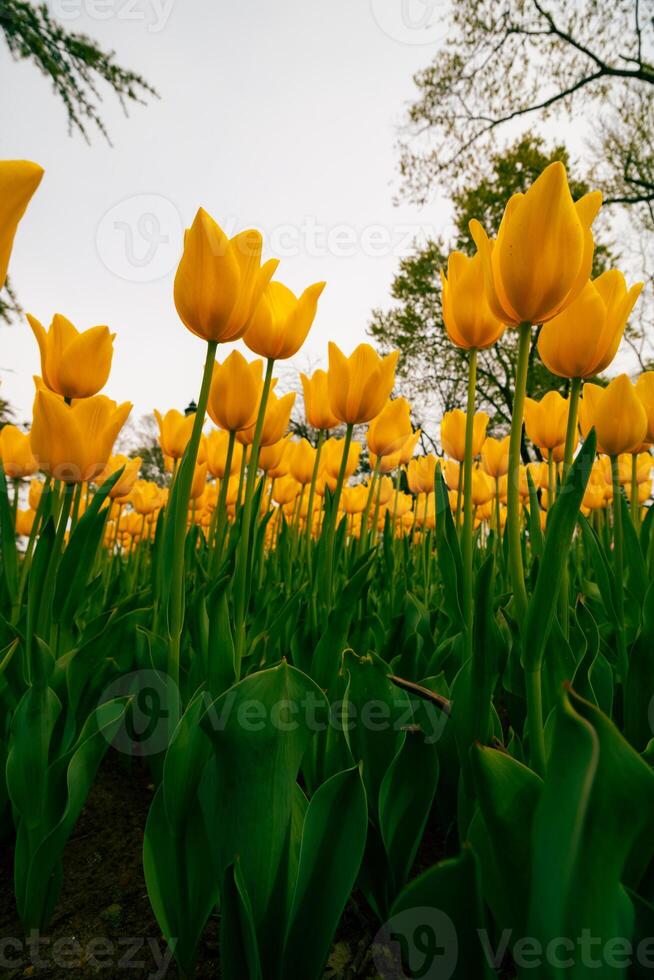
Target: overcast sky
279, 115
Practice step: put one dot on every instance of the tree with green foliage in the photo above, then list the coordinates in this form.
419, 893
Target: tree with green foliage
432, 372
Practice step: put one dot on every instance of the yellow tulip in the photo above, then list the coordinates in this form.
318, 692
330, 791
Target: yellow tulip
126, 480
495, 456
483, 490
73, 442
453, 433
421, 474
199, 482
468, 319
219, 280
452, 474
24, 522
408, 449
316, 401
543, 253
285, 490
274, 460
332, 454
618, 416
216, 454
645, 392
146, 497
34, 493
546, 420
302, 458
281, 321
389, 431
359, 385
235, 392
73, 364
174, 431
539, 475
16, 453
275, 421
18, 181
355, 498
583, 340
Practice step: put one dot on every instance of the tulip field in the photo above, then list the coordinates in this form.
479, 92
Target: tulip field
388, 714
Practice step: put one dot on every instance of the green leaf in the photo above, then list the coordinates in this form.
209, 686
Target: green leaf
333, 841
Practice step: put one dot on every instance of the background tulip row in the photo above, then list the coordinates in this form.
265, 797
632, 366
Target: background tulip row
459, 642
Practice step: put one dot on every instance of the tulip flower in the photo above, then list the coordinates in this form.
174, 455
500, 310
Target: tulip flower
390, 430
468, 318
332, 454
217, 446
146, 497
281, 321
274, 460
543, 254
316, 401
24, 522
74, 364
583, 340
73, 442
18, 182
16, 453
495, 456
482, 489
174, 431
645, 392
546, 420
302, 458
126, 480
355, 499
235, 392
34, 493
421, 474
285, 490
199, 482
453, 430
616, 412
219, 280
359, 385
275, 421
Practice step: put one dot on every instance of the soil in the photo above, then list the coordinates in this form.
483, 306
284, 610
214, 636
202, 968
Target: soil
103, 924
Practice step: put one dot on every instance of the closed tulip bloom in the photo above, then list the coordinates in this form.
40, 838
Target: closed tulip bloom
332, 454
34, 493
539, 475
408, 449
453, 433
618, 416
452, 474
468, 319
18, 181
219, 280
593, 497
543, 253
302, 458
199, 482
275, 460
591, 395
280, 323
174, 431
359, 385
482, 488
146, 497
316, 401
275, 422
355, 498
495, 456
73, 442
126, 480
645, 392
24, 522
75, 364
583, 340
16, 453
421, 474
235, 392
216, 454
546, 420
389, 430
285, 490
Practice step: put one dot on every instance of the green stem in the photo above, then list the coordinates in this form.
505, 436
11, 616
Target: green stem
467, 502
221, 506
513, 502
571, 430
619, 561
635, 506
535, 720
333, 516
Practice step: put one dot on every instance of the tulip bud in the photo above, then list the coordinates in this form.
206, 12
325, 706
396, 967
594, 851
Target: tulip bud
617, 415
390, 430
235, 392
73, 364
468, 319
453, 433
281, 321
359, 385
18, 182
316, 401
16, 453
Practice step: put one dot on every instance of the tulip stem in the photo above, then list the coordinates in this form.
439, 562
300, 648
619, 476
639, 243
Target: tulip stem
221, 505
363, 532
571, 430
635, 508
535, 720
312, 492
467, 501
513, 477
180, 494
333, 516
619, 561
241, 578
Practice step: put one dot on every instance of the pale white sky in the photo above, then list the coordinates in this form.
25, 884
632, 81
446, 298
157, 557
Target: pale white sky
280, 115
